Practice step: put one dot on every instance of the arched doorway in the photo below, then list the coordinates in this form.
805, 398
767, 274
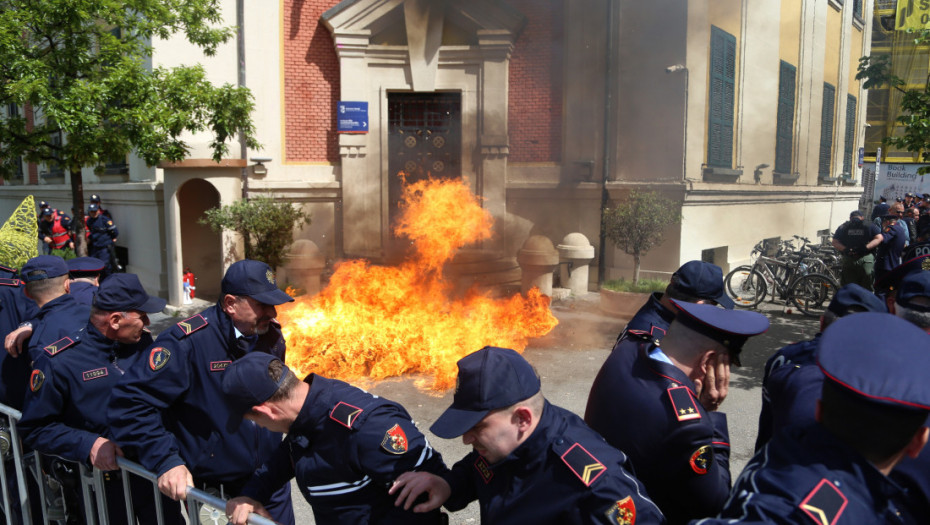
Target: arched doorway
201, 247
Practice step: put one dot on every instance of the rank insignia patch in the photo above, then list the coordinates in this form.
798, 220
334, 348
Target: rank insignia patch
345, 414
622, 512
219, 366
59, 345
683, 403
483, 470
36, 380
583, 464
395, 440
702, 459
158, 358
192, 324
9, 282
96, 373
825, 503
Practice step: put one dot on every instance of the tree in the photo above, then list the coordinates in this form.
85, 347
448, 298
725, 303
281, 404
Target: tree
81, 67
266, 225
637, 225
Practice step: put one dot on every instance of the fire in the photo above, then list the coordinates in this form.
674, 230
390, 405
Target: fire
379, 322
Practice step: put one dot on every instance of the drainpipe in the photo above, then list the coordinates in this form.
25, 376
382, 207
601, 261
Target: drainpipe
605, 196
240, 56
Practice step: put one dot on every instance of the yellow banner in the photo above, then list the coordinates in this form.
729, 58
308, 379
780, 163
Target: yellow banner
913, 14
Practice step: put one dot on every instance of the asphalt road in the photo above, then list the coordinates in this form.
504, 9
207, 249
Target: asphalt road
567, 360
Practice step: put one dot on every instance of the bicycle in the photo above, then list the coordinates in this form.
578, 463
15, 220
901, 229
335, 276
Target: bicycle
790, 279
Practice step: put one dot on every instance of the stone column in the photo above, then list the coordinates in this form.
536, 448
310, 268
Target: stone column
538, 259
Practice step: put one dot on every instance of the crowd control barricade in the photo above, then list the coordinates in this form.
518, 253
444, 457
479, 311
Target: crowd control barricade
11, 449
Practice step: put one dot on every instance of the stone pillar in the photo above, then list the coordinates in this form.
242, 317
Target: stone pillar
538, 259
304, 264
575, 255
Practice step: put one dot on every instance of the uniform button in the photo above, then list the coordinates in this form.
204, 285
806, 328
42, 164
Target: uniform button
559, 441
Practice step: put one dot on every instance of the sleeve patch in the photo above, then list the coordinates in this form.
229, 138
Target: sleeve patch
36, 380
395, 440
583, 464
481, 465
702, 459
345, 414
683, 403
192, 324
158, 358
622, 512
9, 282
825, 504
59, 345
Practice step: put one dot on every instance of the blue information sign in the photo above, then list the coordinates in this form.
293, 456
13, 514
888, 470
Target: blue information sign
352, 117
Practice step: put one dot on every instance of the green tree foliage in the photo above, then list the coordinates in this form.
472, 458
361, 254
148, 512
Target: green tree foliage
267, 226
638, 225
84, 67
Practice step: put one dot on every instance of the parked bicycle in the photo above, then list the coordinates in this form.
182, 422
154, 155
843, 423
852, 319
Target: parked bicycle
787, 277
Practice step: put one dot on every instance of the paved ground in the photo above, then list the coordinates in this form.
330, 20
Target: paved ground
568, 358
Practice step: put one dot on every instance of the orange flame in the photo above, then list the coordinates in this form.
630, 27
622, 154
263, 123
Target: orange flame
382, 322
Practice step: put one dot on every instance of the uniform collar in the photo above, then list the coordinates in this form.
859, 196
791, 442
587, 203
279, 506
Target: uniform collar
318, 404
533, 450
55, 304
663, 369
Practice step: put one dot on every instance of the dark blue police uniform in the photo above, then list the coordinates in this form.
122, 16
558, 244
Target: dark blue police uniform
57, 318
83, 292
889, 251
102, 231
169, 410
564, 473
650, 322
791, 386
15, 308
345, 448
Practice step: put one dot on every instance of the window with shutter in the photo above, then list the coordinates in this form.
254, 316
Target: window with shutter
826, 130
722, 91
850, 134
784, 132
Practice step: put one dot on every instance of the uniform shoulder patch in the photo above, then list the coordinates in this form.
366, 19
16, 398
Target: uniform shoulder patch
683, 403
36, 380
622, 512
59, 345
395, 440
192, 324
158, 358
9, 282
701, 459
583, 464
345, 414
825, 504
484, 470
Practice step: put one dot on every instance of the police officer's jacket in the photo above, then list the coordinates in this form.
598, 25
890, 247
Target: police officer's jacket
346, 448
15, 308
650, 322
649, 410
83, 292
169, 409
791, 386
69, 390
101, 231
563, 474
56, 319
806, 475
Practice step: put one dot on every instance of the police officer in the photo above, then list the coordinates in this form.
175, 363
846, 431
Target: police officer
344, 445
659, 404
169, 408
872, 413
102, 236
792, 381
890, 245
55, 230
880, 209
694, 282
533, 462
95, 199
851, 239
70, 387
84, 274
15, 308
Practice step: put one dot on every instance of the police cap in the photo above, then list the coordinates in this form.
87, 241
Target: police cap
95, 198
703, 280
122, 292
853, 298
43, 204
247, 383
81, 265
731, 328
93, 207
914, 291
43, 267
891, 281
46, 212
253, 279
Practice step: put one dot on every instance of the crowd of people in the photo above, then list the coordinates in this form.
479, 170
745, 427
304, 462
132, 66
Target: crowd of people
57, 233
210, 403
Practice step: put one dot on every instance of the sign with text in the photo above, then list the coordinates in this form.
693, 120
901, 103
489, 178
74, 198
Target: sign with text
894, 180
352, 117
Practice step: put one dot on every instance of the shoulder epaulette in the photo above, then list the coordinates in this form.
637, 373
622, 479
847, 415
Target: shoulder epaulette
345, 414
58, 346
9, 282
683, 403
825, 503
191, 325
584, 465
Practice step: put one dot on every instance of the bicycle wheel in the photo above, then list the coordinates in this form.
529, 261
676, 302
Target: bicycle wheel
812, 293
745, 286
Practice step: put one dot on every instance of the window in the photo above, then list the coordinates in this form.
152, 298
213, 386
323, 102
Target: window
784, 132
826, 130
722, 90
850, 134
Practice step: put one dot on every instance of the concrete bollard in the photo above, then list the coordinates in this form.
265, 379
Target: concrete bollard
538, 258
575, 254
305, 262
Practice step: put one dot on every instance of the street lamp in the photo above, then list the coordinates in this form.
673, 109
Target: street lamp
684, 135
259, 168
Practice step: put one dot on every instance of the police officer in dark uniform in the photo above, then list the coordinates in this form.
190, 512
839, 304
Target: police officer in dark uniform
872, 414
102, 239
15, 309
344, 445
533, 462
890, 246
55, 230
792, 382
170, 411
851, 239
70, 387
95, 199
659, 404
694, 282
880, 209
84, 274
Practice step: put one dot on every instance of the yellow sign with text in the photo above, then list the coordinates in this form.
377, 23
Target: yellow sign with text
912, 14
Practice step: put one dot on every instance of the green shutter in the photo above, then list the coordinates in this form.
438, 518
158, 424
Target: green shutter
850, 133
826, 129
722, 94
784, 132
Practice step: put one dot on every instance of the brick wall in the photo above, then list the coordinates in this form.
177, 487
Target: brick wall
311, 83
535, 113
